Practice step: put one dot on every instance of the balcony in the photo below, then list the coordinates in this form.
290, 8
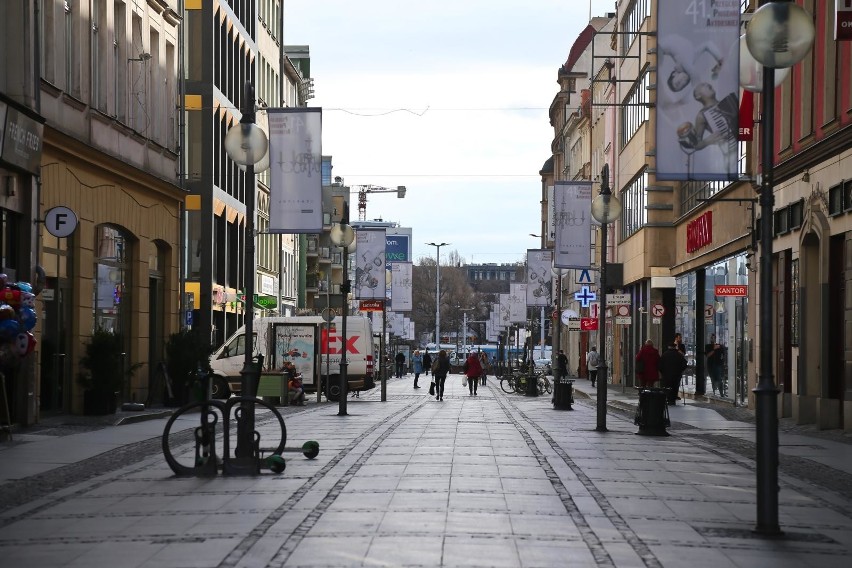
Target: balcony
313, 246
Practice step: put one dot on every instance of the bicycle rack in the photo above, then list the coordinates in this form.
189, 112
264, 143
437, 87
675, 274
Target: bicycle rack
207, 463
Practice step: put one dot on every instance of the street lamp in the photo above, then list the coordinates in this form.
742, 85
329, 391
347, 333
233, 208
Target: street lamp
556, 344
541, 331
246, 144
342, 235
606, 208
779, 35
438, 293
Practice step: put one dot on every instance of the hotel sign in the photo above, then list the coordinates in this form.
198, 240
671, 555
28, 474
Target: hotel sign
699, 232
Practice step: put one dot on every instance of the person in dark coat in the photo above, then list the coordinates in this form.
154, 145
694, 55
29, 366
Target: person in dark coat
442, 369
427, 363
648, 360
400, 364
672, 366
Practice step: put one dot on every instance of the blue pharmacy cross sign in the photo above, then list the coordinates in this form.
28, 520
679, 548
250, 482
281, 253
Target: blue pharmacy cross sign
585, 296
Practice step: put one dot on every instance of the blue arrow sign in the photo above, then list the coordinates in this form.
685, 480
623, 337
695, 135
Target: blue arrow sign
585, 296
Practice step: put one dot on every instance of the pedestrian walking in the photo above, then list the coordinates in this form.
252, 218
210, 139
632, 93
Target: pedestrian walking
440, 370
562, 365
427, 363
400, 364
483, 362
592, 362
647, 365
418, 366
672, 366
473, 371
715, 355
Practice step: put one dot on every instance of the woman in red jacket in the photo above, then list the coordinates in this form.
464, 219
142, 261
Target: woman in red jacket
648, 365
473, 370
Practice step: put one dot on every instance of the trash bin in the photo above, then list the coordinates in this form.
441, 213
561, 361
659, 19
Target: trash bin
563, 393
652, 415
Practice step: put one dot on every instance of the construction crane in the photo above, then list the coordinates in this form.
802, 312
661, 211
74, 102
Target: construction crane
365, 189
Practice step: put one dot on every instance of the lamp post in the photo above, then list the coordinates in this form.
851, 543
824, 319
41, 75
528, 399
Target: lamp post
437, 293
557, 320
246, 144
606, 208
779, 35
342, 235
464, 327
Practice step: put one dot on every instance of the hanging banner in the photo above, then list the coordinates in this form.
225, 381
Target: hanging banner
505, 311
295, 158
572, 202
539, 276
517, 303
697, 90
370, 264
401, 286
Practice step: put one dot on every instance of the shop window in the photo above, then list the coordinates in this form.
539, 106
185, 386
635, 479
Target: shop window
797, 214
112, 280
10, 231
835, 199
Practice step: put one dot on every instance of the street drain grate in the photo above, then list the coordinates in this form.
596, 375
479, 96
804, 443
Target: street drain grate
720, 532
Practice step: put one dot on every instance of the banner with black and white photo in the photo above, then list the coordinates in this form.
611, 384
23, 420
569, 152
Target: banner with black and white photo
401, 286
517, 302
539, 288
505, 310
572, 204
370, 264
295, 168
697, 90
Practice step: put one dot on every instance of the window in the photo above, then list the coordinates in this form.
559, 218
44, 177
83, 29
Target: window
794, 302
634, 111
847, 195
634, 17
110, 297
69, 45
633, 200
781, 221
835, 199
797, 214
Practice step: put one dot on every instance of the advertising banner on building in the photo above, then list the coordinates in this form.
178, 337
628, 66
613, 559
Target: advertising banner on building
370, 264
539, 277
697, 90
505, 311
517, 303
572, 203
401, 286
295, 164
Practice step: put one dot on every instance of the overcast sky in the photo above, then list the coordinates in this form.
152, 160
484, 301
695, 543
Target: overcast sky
448, 98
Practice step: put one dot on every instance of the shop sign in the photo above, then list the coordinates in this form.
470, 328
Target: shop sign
22, 141
723, 290
265, 302
699, 232
588, 324
573, 324
843, 20
371, 305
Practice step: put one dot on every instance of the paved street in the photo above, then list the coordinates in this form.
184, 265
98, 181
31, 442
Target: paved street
491, 480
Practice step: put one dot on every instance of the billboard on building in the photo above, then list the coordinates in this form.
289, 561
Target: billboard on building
370, 264
572, 203
697, 90
401, 286
295, 167
539, 276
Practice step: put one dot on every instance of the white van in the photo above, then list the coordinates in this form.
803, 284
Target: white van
312, 345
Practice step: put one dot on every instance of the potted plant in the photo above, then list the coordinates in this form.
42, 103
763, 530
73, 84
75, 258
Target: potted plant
186, 352
103, 375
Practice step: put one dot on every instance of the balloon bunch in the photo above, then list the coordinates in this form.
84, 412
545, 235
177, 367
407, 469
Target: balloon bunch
17, 319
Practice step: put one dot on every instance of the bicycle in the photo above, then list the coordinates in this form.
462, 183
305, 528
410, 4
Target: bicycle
544, 384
